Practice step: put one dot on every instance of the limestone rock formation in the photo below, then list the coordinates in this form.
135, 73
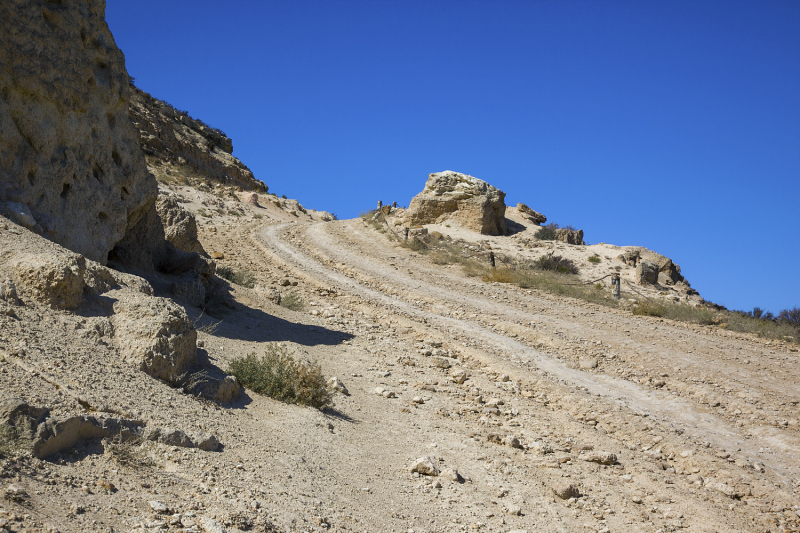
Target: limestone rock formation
180, 226
155, 334
534, 216
646, 272
172, 136
56, 280
68, 151
462, 200
668, 273
570, 236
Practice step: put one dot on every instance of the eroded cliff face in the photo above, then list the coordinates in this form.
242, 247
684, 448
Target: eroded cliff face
172, 138
68, 150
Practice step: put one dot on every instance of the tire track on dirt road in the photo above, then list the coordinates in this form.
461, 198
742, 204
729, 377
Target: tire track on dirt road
659, 405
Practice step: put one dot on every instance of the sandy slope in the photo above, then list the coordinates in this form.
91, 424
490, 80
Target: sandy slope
373, 312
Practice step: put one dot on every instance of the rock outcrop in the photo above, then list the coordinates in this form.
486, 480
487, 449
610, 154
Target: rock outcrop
156, 335
168, 135
646, 272
462, 200
534, 216
68, 152
667, 272
180, 226
570, 236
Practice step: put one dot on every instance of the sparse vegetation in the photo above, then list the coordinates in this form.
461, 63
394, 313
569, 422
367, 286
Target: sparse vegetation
292, 301
547, 233
278, 375
245, 278
129, 452
556, 263
594, 259
15, 437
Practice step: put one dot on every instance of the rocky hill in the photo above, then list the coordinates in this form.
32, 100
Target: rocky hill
176, 144
465, 397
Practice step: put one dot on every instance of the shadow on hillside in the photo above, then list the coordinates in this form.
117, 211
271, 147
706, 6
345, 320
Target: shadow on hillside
254, 325
514, 227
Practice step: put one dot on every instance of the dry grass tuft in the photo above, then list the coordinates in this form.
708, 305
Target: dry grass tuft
278, 375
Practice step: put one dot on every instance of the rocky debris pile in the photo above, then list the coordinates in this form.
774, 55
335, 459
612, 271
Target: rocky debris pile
534, 216
168, 135
455, 198
70, 163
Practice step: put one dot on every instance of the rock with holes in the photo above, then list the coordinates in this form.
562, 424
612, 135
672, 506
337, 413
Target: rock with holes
455, 198
56, 278
154, 334
57, 434
180, 226
68, 151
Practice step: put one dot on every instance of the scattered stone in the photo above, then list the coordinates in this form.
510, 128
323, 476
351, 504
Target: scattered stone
459, 375
426, 466
566, 490
217, 255
15, 493
603, 458
210, 525
336, 384
441, 362
229, 390
158, 507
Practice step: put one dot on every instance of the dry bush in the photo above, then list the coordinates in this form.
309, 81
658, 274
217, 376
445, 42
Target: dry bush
128, 452
292, 301
15, 437
556, 263
245, 278
278, 375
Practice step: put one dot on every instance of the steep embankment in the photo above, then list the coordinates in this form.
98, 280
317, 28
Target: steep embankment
178, 145
69, 157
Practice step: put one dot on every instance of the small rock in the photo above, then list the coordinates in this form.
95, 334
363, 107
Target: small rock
336, 384
417, 399
603, 458
217, 255
229, 390
20, 214
512, 441
588, 364
15, 493
285, 282
493, 402
210, 526
158, 507
441, 362
425, 466
514, 510
566, 490
459, 375
106, 484
637, 499
504, 378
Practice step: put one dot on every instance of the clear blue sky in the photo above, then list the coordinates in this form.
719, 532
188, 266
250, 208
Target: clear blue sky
673, 125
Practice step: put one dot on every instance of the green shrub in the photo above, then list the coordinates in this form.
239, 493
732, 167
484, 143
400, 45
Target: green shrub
594, 259
647, 308
556, 263
547, 233
292, 301
278, 375
245, 278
